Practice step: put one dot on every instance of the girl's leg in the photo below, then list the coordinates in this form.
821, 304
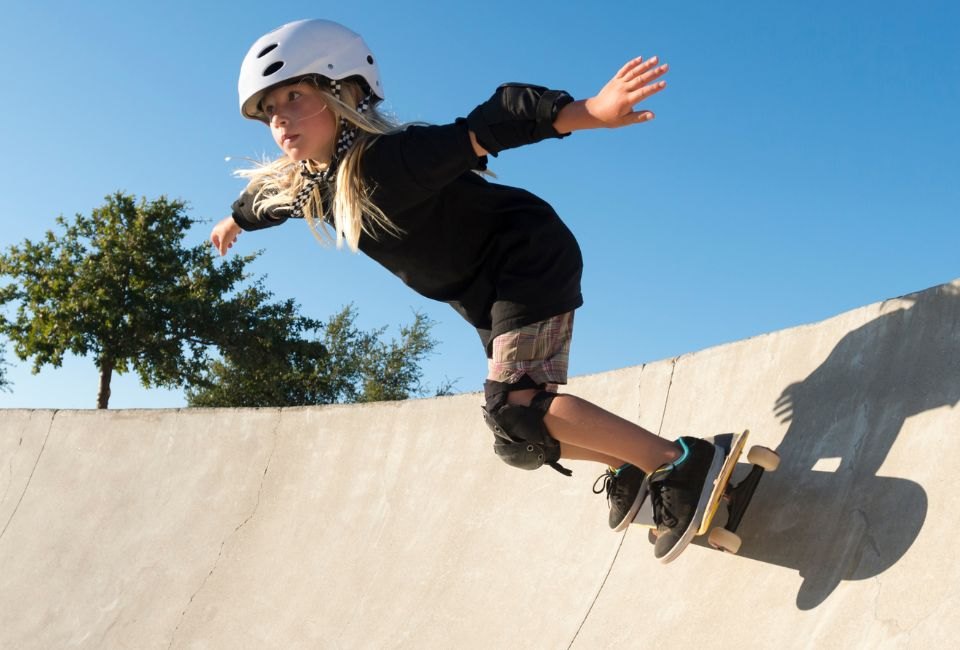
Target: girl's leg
581, 426
538, 354
572, 452
569, 452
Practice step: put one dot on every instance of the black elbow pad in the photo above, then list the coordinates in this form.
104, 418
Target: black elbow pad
245, 217
517, 114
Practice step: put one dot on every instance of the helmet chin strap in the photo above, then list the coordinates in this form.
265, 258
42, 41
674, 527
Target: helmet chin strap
348, 133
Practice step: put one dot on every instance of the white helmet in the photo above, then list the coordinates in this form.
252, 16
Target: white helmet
304, 47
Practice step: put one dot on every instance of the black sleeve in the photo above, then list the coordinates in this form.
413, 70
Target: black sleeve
516, 115
406, 167
243, 215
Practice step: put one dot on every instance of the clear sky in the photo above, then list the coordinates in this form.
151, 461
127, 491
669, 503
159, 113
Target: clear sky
804, 160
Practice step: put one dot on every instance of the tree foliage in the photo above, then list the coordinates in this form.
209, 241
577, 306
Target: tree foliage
283, 359
4, 382
120, 286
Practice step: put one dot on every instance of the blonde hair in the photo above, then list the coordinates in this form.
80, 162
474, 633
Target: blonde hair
276, 184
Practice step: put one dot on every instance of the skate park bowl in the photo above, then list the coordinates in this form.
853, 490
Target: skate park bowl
393, 525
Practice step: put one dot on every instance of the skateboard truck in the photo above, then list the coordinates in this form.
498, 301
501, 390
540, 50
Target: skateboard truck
737, 498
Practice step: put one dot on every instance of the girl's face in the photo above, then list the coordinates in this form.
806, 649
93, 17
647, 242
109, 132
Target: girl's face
301, 123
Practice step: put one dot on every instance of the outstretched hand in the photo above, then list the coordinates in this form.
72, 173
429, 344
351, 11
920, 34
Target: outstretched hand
614, 105
224, 234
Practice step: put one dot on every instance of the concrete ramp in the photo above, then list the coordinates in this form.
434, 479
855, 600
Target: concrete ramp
394, 526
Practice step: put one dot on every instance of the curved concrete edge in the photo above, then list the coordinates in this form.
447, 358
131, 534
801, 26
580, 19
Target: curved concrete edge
392, 525
846, 545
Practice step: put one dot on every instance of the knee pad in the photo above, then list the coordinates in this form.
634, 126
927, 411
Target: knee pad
521, 439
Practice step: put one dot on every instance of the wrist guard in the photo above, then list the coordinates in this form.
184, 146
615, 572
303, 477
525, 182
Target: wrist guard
517, 114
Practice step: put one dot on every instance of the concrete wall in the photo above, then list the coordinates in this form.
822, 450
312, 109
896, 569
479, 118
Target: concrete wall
393, 525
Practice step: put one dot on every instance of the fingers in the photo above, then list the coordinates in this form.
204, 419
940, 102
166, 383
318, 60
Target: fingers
642, 93
645, 77
222, 243
636, 117
630, 65
638, 79
638, 67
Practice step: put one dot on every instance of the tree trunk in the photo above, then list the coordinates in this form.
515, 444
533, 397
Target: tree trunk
106, 374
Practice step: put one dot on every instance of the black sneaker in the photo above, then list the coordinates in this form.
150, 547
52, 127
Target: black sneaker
680, 493
623, 494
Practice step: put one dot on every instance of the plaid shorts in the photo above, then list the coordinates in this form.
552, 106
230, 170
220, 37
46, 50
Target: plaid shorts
539, 350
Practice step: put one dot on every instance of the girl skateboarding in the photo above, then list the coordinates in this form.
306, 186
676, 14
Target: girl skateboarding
414, 198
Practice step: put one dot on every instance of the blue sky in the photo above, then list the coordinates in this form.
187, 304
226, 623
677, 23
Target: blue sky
803, 162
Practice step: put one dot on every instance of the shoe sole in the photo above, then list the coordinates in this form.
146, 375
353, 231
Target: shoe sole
691, 530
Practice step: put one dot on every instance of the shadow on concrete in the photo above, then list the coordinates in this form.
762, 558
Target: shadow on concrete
846, 522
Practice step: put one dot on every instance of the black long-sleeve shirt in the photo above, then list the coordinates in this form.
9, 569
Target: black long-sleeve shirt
499, 255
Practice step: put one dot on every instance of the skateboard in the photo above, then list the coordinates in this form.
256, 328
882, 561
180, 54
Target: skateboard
736, 497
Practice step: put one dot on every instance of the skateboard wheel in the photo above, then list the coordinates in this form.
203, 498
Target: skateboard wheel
766, 458
724, 540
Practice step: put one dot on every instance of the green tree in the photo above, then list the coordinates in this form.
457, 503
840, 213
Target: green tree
4, 382
283, 359
119, 285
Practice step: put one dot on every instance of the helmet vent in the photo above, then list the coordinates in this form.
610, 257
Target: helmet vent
273, 67
267, 50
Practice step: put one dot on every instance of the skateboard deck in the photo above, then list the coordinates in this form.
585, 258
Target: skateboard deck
732, 451
736, 497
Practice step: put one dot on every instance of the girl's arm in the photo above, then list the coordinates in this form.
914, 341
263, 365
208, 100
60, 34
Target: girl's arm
613, 106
